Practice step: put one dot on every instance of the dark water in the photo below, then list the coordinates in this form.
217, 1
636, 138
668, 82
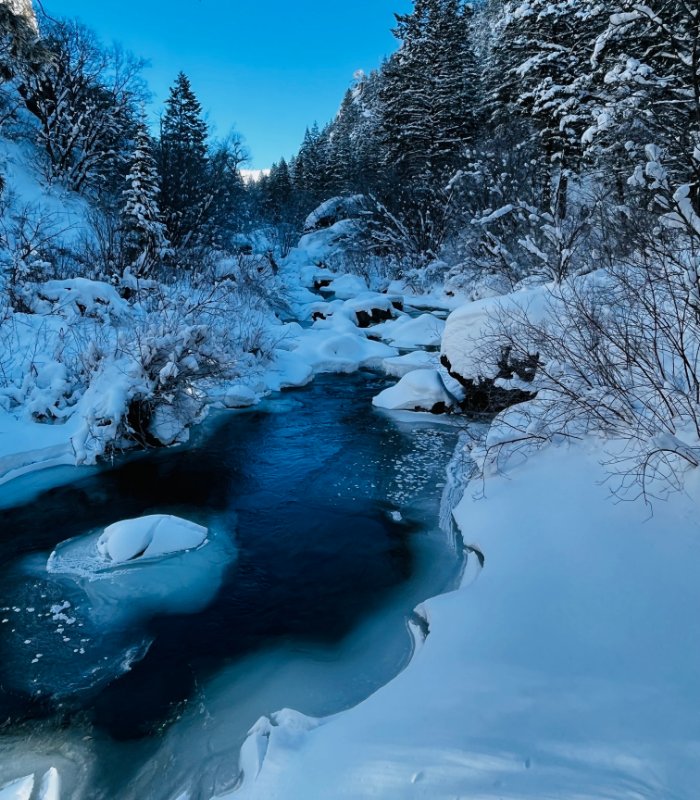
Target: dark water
305, 493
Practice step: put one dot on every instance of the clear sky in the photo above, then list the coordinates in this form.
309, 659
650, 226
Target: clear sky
267, 67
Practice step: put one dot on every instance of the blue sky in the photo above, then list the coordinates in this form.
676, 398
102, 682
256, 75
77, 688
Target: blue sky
267, 67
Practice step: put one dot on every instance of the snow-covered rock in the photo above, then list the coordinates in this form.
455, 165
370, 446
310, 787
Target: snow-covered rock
423, 331
419, 390
149, 537
347, 287
371, 308
476, 350
418, 359
332, 211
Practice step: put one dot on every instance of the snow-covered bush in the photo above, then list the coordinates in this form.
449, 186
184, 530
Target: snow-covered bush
619, 354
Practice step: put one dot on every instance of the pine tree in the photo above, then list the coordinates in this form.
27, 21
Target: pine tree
540, 70
183, 164
429, 92
145, 238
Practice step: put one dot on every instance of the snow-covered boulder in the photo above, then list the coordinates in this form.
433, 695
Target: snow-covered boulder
348, 286
332, 211
401, 365
423, 331
316, 278
371, 308
419, 390
149, 537
476, 351
240, 396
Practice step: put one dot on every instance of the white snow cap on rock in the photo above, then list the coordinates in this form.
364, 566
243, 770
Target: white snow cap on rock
419, 390
149, 537
423, 331
347, 287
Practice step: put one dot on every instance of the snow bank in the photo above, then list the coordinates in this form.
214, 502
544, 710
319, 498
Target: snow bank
419, 390
568, 669
149, 537
77, 297
332, 211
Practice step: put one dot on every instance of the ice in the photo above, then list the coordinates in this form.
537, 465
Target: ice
419, 390
50, 788
22, 788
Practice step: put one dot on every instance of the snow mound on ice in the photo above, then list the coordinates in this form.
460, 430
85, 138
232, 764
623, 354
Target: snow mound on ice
137, 568
149, 537
423, 331
419, 390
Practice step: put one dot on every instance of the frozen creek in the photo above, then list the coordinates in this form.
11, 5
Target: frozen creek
332, 509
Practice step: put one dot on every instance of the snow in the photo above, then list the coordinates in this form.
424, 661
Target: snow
240, 396
402, 365
419, 390
22, 788
332, 211
347, 287
569, 668
149, 537
423, 331
471, 329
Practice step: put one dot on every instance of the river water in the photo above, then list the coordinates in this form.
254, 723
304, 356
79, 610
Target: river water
331, 509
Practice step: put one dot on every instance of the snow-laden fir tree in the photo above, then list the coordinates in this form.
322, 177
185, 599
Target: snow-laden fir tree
183, 165
429, 91
145, 238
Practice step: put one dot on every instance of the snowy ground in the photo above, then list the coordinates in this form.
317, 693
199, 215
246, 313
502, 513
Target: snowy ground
568, 669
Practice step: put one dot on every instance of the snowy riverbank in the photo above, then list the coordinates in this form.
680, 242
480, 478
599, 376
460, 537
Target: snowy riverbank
568, 669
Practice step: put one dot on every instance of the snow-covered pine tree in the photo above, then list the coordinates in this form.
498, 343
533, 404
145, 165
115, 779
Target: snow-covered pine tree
183, 163
540, 69
428, 92
145, 239
648, 61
